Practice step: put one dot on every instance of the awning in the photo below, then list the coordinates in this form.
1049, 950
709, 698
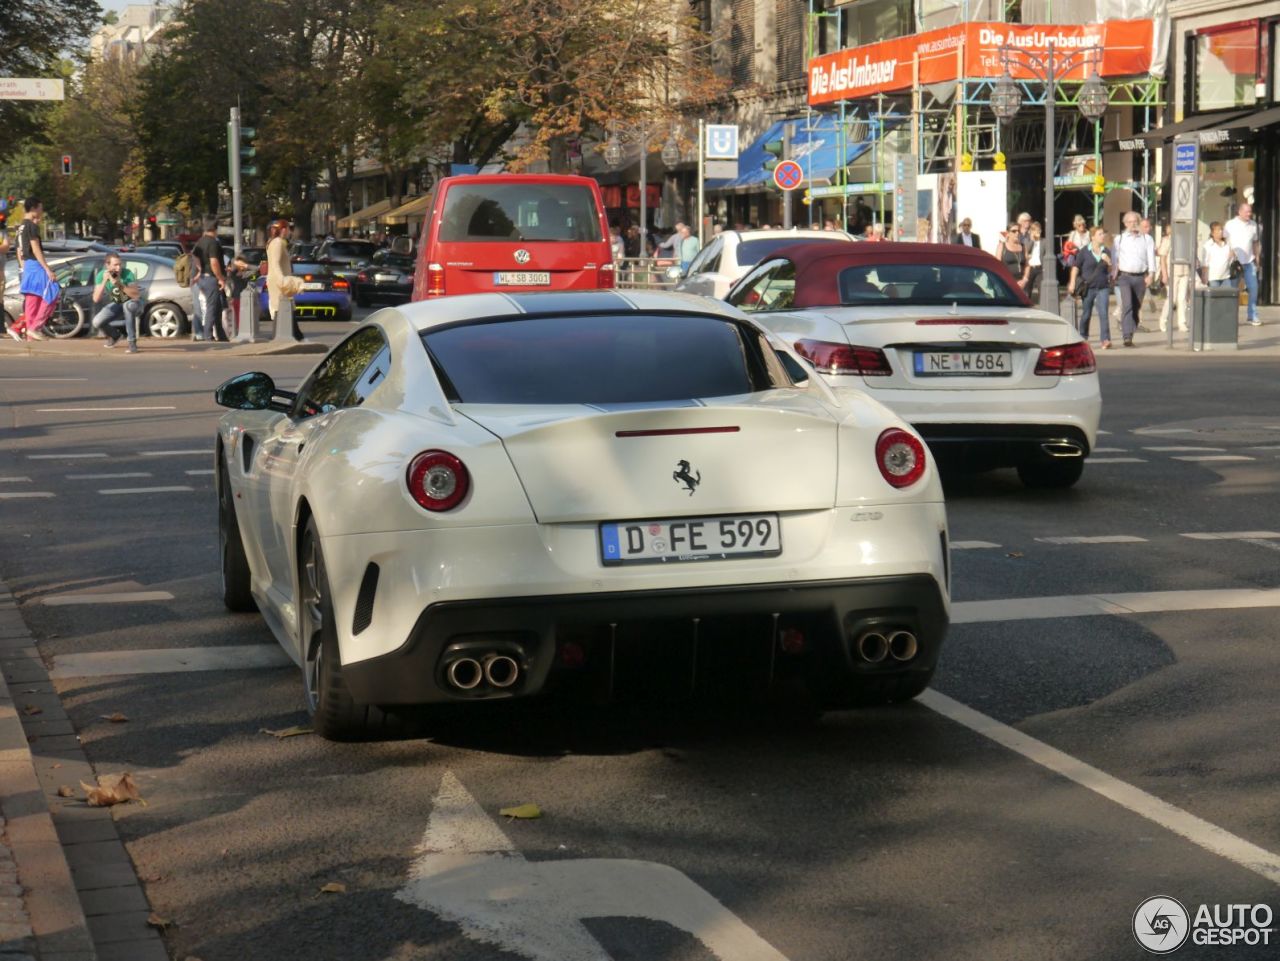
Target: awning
1258, 119
416, 207
815, 145
372, 212
1153, 139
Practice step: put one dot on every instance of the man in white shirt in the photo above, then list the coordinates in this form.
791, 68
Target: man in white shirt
1135, 268
1244, 237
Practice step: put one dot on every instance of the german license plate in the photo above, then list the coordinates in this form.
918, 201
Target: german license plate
386, 278
522, 278
313, 285
690, 539
967, 363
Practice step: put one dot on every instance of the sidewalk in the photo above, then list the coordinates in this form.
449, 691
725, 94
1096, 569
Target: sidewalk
156, 346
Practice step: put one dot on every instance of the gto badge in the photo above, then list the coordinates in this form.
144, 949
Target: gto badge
522, 256
682, 475
965, 333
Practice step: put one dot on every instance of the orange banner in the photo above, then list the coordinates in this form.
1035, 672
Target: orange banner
973, 50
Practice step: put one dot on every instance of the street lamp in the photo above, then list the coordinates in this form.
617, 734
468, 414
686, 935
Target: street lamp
1006, 100
613, 151
671, 150
613, 157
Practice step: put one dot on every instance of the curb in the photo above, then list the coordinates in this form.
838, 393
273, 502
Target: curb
93, 347
76, 887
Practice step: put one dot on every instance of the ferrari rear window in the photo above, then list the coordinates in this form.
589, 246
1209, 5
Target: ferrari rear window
627, 359
924, 285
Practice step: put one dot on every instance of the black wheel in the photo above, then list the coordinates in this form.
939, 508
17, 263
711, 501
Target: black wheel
235, 566
335, 714
67, 319
1051, 474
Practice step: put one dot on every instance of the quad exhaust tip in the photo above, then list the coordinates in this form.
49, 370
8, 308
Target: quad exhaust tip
903, 645
900, 644
465, 673
873, 647
501, 671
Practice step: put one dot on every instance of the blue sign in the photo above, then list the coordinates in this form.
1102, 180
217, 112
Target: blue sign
1185, 158
722, 141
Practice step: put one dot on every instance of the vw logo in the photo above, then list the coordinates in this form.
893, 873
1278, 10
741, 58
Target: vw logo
522, 256
965, 333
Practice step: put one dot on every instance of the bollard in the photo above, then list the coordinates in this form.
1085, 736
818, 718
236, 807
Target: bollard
247, 328
284, 322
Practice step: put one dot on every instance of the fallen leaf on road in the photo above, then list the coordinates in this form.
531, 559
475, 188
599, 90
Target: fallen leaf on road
287, 731
522, 811
105, 795
155, 921
66, 790
1014, 554
55, 765
334, 887
31, 710
116, 718
152, 878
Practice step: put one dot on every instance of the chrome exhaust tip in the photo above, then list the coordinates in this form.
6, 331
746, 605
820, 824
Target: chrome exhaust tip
873, 647
903, 645
1063, 448
501, 671
465, 673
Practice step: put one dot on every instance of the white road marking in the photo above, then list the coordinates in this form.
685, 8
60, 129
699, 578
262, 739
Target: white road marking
1259, 542
204, 451
169, 660
1103, 539
15, 480
1115, 460
1111, 450
1201, 450
140, 473
1091, 605
1164, 430
122, 597
1104, 432
200, 473
145, 490
6, 380
971, 545
62, 456
468, 872
1266, 447
18, 495
1211, 457
1229, 535
94, 410
1199, 832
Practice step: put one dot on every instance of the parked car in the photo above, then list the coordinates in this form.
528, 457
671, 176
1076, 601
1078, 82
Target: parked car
388, 279
303, 251
726, 258
323, 297
168, 306
164, 248
942, 334
345, 258
253, 256
494, 495
513, 232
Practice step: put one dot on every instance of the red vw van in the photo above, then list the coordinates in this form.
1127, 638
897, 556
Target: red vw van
522, 232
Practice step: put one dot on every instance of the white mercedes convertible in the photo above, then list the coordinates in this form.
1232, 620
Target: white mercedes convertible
489, 496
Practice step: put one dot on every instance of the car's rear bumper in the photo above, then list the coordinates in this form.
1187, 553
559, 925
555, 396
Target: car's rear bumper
1003, 445
677, 632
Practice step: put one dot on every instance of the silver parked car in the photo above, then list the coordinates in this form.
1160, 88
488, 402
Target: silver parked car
168, 306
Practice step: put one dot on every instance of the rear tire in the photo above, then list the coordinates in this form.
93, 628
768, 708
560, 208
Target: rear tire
67, 320
1051, 475
236, 594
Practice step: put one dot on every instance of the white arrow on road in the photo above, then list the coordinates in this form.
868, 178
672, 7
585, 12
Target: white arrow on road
468, 872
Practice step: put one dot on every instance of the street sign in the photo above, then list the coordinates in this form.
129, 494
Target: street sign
847, 190
1184, 191
1186, 158
788, 175
906, 209
721, 169
722, 142
30, 88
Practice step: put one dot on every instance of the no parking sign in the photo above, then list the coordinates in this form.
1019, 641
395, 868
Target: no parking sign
788, 175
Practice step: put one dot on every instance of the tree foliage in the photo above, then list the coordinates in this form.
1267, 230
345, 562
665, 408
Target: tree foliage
34, 35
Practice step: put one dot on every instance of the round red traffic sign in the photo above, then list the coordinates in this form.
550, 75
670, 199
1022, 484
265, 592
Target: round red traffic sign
788, 175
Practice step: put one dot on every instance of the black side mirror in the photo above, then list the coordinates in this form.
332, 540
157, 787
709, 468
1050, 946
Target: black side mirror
252, 391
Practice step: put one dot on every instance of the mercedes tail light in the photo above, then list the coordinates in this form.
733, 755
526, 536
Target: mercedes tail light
607, 276
437, 480
900, 457
831, 358
1068, 359
362, 277
435, 280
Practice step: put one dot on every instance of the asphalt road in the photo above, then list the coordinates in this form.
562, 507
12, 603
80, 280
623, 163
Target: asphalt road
897, 833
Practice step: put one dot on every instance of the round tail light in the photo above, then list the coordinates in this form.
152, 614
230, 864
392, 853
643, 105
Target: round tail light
437, 480
900, 457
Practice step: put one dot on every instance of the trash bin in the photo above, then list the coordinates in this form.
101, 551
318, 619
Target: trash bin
1215, 319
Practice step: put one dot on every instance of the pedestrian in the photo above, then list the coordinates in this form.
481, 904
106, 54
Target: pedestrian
4, 254
829, 224
1216, 258
211, 278
631, 245
1080, 233
1175, 281
862, 216
1134, 269
1024, 230
1037, 255
877, 233
39, 289
617, 245
118, 286
1091, 280
1013, 256
1244, 234
672, 244
966, 235
278, 269
689, 246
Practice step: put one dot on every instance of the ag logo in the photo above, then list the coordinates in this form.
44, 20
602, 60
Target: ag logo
965, 333
689, 478
522, 256
1161, 924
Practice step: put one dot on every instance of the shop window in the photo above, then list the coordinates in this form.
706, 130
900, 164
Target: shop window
1228, 66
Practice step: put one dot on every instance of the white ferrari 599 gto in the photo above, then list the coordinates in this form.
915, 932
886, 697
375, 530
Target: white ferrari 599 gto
490, 496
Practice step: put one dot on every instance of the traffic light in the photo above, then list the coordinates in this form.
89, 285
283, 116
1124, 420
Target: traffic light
152, 220
66, 164
4, 217
774, 150
248, 152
